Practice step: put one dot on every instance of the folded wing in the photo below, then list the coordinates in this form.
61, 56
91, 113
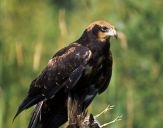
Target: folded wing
62, 71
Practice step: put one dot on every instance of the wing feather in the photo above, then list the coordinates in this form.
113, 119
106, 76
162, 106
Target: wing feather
63, 70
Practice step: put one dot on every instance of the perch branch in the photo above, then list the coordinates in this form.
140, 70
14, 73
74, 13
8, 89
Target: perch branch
118, 118
109, 107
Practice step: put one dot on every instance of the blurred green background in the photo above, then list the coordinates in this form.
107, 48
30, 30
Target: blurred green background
31, 31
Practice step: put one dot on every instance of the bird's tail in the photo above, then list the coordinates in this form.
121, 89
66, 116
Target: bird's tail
43, 117
36, 116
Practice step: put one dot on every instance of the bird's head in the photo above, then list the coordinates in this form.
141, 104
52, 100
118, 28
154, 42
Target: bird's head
102, 30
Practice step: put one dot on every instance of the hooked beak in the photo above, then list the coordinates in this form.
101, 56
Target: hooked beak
112, 33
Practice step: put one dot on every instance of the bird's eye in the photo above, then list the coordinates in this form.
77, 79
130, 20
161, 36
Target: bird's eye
104, 29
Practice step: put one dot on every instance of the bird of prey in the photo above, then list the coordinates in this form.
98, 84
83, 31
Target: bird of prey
84, 68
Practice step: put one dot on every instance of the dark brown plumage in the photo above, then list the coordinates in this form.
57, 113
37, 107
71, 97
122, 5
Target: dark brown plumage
82, 69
